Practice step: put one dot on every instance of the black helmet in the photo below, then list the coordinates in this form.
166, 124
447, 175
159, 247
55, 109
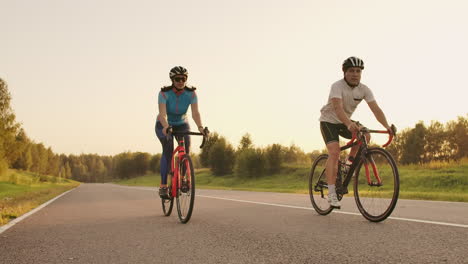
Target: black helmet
178, 70
353, 62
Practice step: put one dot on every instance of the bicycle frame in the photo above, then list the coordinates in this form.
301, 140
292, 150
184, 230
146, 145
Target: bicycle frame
361, 155
177, 156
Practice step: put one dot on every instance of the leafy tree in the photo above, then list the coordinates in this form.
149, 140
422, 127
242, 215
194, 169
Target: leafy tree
413, 148
435, 138
458, 137
274, 155
101, 171
124, 166
196, 160
25, 161
294, 154
141, 163
245, 142
8, 128
155, 163
53, 163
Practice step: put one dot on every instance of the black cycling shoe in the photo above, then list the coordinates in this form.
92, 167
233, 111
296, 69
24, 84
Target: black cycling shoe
164, 193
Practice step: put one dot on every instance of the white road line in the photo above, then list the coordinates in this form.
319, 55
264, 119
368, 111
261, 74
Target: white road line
306, 208
338, 212
35, 210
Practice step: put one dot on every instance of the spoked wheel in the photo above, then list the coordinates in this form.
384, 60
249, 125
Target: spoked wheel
318, 187
186, 189
377, 185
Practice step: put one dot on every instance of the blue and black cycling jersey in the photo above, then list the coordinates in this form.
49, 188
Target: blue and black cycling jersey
177, 103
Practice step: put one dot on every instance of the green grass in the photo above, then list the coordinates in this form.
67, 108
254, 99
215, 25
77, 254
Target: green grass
21, 192
434, 181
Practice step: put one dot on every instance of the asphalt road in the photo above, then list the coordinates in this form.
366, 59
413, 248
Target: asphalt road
104, 223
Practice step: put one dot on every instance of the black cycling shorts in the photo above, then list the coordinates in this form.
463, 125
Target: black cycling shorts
330, 132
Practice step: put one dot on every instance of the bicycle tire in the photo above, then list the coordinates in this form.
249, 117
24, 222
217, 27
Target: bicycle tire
186, 189
318, 190
168, 204
377, 201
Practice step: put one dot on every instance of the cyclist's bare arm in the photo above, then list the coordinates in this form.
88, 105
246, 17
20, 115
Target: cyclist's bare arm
379, 114
197, 117
339, 110
162, 117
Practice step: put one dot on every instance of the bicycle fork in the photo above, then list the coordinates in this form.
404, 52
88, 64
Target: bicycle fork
371, 161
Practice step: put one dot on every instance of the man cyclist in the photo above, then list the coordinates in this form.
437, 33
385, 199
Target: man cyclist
345, 96
173, 103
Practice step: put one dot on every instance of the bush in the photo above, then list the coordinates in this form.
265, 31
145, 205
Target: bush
3, 167
221, 157
251, 162
205, 155
274, 155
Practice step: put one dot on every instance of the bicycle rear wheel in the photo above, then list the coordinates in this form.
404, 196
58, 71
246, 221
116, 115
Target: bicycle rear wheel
186, 189
318, 187
377, 185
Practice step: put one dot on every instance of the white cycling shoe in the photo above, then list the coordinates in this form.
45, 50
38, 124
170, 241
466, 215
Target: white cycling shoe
333, 201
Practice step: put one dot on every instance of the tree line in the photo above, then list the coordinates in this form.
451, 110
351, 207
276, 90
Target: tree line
436, 142
247, 160
18, 151
417, 145
420, 144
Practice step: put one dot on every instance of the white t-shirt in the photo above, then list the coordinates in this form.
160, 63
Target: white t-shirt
351, 97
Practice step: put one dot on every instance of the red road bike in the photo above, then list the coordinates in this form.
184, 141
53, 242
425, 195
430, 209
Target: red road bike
181, 178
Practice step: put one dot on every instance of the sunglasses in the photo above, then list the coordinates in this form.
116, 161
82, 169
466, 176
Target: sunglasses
178, 79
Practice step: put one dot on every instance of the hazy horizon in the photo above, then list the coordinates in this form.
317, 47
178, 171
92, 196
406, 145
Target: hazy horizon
84, 76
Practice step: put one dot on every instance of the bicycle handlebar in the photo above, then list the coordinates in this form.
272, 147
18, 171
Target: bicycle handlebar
205, 134
364, 130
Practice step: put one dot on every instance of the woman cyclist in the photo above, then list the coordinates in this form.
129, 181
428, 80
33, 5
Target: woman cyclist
173, 102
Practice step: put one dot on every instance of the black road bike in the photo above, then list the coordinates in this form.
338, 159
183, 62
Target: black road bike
376, 179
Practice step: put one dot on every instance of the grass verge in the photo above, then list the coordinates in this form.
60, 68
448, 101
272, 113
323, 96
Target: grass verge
20, 192
441, 182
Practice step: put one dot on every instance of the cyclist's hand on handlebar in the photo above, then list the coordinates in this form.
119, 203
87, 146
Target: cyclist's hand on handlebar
353, 128
200, 129
166, 130
392, 129
204, 131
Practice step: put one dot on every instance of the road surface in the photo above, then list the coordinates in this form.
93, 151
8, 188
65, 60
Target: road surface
106, 223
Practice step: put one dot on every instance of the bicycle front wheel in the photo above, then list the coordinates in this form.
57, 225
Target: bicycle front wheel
186, 189
167, 204
318, 187
376, 185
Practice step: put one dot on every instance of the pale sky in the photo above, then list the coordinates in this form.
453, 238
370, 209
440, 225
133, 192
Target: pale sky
84, 75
